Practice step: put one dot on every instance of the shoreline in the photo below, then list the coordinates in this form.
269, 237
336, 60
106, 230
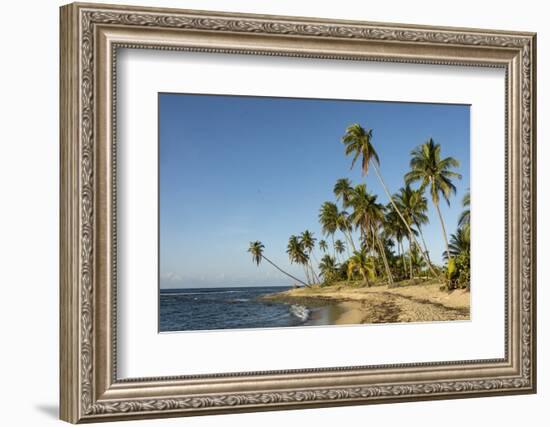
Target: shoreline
341, 305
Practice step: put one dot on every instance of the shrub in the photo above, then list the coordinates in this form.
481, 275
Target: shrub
458, 271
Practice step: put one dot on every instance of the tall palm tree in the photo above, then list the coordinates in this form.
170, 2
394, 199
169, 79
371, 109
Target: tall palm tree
339, 247
328, 217
297, 255
358, 143
308, 243
323, 245
464, 220
257, 250
434, 173
342, 191
363, 264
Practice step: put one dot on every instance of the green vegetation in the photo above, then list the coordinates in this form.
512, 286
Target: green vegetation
379, 255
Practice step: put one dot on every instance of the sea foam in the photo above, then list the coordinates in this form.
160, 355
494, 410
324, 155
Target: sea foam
300, 312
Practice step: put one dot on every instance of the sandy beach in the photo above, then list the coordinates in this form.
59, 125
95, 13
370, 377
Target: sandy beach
379, 304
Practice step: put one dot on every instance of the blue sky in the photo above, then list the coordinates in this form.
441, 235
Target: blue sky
238, 169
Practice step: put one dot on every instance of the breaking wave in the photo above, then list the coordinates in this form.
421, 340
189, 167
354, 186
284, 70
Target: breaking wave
300, 312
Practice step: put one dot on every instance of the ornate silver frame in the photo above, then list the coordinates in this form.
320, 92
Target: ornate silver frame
90, 36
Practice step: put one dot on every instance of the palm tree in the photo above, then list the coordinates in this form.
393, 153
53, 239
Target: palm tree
358, 143
323, 245
296, 254
257, 250
414, 205
342, 191
404, 230
417, 262
308, 243
339, 247
360, 262
460, 243
401, 200
367, 214
464, 220
344, 225
432, 171
417, 205
361, 201
328, 217
328, 266
395, 229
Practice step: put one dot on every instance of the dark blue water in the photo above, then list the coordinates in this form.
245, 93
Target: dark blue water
226, 308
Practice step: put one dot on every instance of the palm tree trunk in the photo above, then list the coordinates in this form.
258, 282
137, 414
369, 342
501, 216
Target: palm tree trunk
282, 271
423, 241
305, 266
373, 248
403, 261
410, 259
400, 214
351, 242
443, 228
365, 278
316, 276
384, 259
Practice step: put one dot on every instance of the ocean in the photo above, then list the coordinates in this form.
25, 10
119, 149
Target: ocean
194, 309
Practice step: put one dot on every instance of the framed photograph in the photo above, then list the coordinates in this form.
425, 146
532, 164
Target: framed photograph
265, 213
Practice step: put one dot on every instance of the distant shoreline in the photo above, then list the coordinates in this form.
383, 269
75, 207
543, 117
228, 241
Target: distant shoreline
343, 305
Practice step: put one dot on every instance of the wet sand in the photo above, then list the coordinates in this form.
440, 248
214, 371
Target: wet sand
378, 304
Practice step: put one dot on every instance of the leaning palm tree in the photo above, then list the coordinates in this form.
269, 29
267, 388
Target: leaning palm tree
298, 255
257, 250
328, 217
363, 264
464, 220
358, 143
339, 247
432, 171
342, 191
323, 245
